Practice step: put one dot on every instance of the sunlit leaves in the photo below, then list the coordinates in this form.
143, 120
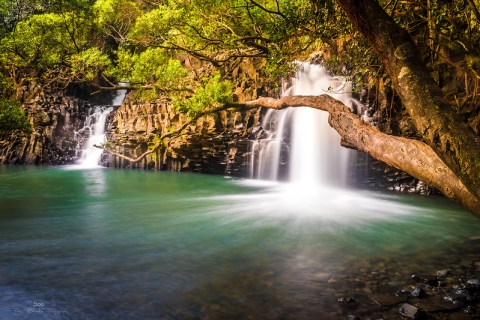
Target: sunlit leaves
152, 66
211, 95
12, 117
116, 17
88, 64
45, 40
155, 27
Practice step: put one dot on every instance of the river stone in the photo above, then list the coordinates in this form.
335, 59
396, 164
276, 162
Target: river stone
403, 293
344, 300
459, 300
412, 312
387, 300
432, 281
443, 273
418, 293
438, 305
474, 282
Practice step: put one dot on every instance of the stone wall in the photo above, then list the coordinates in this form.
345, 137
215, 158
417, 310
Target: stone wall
217, 143
55, 119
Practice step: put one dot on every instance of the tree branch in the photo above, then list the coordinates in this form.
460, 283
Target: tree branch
414, 157
277, 13
411, 156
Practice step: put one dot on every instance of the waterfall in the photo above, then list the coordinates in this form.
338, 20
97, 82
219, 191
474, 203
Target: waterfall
94, 134
120, 96
298, 144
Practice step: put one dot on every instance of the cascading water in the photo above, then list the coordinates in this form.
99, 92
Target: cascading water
298, 144
94, 129
93, 132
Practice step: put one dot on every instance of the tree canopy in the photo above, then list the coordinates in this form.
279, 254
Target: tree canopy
102, 42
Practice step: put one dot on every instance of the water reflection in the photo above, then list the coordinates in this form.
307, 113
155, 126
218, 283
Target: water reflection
95, 185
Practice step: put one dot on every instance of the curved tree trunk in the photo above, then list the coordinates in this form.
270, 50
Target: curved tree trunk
452, 139
412, 156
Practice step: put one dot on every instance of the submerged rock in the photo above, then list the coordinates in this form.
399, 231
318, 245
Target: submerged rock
387, 301
418, 293
344, 300
443, 273
412, 312
431, 281
458, 300
474, 283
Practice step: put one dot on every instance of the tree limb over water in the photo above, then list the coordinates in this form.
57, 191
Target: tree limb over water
412, 156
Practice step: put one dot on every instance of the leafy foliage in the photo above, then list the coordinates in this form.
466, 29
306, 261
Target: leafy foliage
115, 17
89, 64
146, 42
12, 117
214, 93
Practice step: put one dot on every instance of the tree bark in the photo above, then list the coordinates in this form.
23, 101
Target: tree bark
441, 128
412, 156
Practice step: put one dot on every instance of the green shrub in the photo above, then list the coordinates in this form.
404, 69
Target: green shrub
12, 117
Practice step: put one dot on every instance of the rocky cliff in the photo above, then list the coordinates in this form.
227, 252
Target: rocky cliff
217, 143
55, 118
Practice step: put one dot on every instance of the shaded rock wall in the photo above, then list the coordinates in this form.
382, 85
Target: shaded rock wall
217, 143
55, 119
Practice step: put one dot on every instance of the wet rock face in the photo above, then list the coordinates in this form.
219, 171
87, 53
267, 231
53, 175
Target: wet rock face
217, 143
55, 119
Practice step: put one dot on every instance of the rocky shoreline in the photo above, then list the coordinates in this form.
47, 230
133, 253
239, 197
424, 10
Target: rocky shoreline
386, 290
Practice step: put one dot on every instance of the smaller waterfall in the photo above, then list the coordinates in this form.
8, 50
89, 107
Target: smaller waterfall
94, 134
120, 96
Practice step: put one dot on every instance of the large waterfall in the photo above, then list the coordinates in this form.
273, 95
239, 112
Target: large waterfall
298, 144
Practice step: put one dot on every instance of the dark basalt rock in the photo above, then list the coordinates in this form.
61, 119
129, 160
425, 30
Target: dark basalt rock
344, 300
412, 312
387, 300
431, 281
418, 293
55, 118
216, 143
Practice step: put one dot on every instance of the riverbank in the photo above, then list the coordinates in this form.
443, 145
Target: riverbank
385, 289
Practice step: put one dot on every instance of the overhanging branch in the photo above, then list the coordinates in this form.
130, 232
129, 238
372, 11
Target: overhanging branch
411, 156
414, 157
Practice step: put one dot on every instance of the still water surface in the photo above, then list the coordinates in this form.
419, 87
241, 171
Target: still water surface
108, 244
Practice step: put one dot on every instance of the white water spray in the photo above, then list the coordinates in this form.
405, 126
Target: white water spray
95, 130
300, 140
120, 96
